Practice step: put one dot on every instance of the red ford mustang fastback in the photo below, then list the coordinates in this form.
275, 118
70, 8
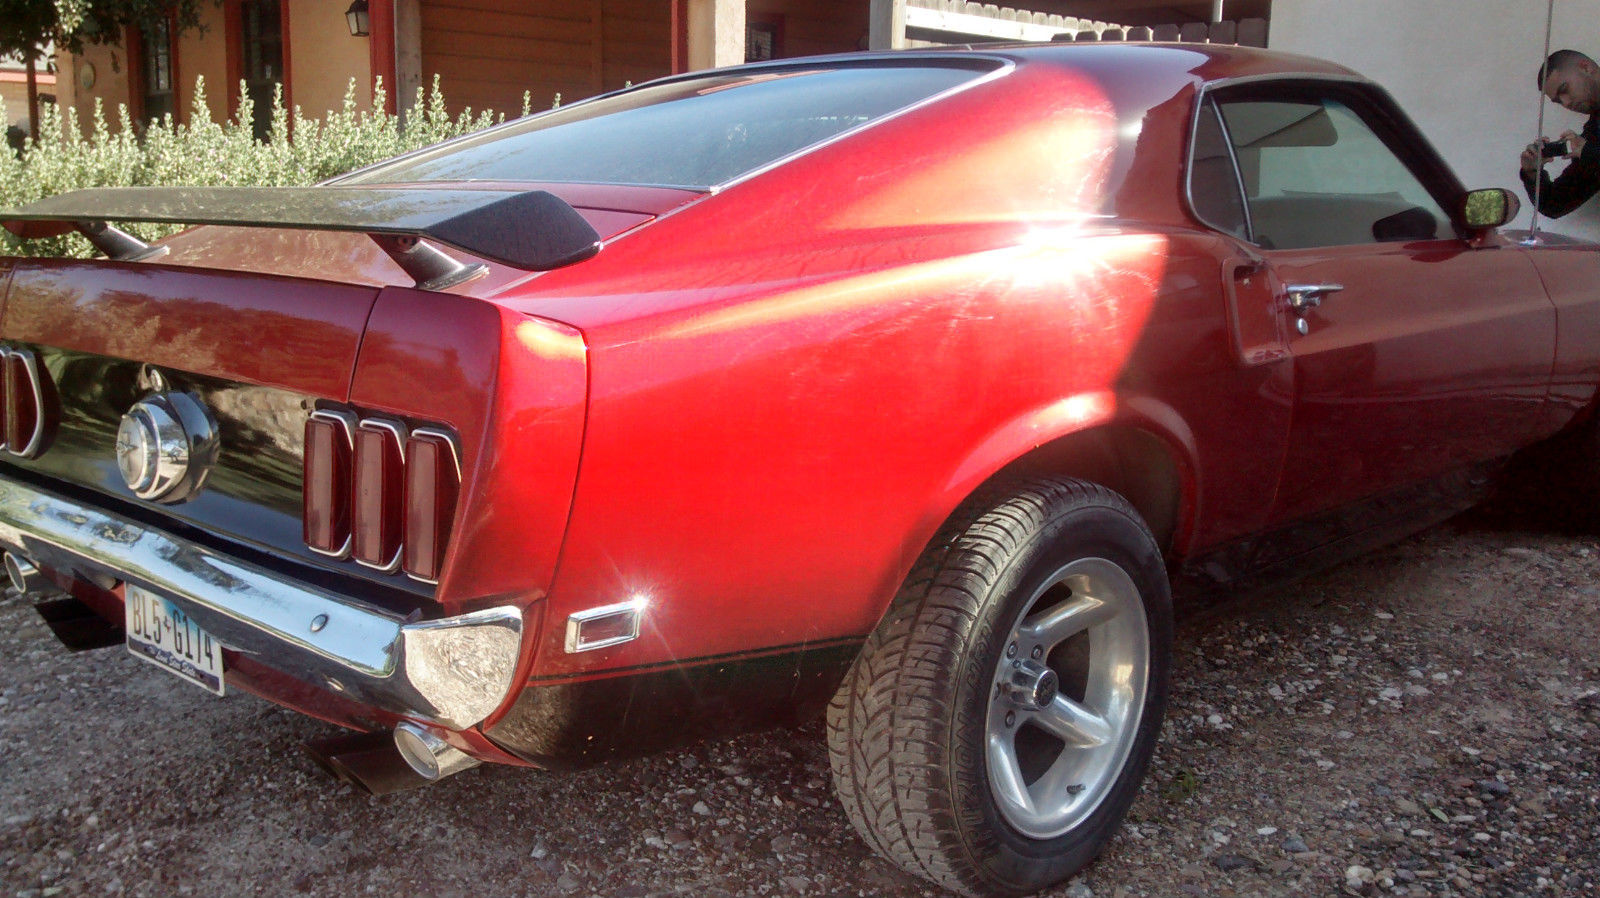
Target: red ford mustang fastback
904, 385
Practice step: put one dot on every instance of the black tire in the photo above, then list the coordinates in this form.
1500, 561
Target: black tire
908, 730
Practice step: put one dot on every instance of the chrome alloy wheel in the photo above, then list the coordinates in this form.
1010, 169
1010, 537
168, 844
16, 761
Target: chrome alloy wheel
1068, 693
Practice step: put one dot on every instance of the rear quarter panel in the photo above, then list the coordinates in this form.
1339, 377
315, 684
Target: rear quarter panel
794, 382
512, 388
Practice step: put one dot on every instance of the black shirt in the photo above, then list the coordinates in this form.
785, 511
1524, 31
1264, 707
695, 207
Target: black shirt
1579, 181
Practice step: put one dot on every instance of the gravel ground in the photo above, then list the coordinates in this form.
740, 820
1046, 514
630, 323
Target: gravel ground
1421, 722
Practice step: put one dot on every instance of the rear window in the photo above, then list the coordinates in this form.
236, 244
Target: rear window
694, 133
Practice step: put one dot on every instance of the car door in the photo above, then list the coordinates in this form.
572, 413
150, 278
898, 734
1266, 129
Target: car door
1416, 352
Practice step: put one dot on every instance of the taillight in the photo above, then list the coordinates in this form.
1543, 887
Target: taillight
5, 398
433, 480
379, 479
378, 493
327, 483
21, 397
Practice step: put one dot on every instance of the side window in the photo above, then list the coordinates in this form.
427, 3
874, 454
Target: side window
1213, 183
1315, 174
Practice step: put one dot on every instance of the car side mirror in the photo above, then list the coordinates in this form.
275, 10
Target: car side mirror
1490, 207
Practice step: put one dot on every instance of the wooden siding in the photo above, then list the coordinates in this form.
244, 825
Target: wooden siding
638, 41
488, 52
811, 27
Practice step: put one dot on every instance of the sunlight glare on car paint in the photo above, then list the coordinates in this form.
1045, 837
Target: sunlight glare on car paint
1046, 253
1085, 408
1109, 282
1052, 167
1046, 178
1056, 265
545, 342
866, 291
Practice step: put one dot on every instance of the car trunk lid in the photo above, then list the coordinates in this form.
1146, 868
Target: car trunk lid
258, 353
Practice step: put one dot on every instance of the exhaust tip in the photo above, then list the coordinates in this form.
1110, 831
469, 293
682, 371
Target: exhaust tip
429, 755
24, 575
366, 761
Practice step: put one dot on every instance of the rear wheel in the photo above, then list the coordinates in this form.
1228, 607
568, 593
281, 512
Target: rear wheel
995, 728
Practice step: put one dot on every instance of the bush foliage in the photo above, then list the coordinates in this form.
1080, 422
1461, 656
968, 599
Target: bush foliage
204, 153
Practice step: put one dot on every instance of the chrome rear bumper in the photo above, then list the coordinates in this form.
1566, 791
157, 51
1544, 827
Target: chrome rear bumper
454, 671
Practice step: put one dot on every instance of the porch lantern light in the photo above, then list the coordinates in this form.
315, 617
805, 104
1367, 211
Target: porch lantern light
356, 18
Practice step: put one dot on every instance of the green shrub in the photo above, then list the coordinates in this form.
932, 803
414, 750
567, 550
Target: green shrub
204, 153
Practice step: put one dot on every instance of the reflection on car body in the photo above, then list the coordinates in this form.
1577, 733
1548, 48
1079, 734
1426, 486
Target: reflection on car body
902, 387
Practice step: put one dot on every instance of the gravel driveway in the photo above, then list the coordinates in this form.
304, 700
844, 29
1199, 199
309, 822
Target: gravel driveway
1425, 721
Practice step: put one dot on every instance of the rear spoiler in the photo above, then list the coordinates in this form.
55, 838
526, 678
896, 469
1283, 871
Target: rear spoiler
533, 229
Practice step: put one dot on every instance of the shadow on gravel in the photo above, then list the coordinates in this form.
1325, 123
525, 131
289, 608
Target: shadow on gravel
1531, 501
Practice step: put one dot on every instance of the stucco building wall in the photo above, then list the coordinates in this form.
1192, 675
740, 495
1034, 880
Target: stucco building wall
323, 57
203, 56
109, 65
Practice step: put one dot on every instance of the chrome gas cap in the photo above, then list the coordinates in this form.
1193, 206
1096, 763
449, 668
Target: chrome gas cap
166, 445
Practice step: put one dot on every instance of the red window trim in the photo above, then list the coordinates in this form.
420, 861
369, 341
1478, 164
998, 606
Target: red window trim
380, 51
680, 36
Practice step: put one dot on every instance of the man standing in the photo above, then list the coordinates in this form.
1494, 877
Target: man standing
1570, 79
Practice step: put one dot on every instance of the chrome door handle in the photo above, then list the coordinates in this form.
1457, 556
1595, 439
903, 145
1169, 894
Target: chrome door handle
1305, 297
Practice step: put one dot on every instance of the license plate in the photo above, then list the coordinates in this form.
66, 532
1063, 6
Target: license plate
159, 632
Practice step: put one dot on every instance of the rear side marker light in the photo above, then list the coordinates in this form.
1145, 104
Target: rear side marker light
608, 625
22, 398
328, 450
433, 481
379, 483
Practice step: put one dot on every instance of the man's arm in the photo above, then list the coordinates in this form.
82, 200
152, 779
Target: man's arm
1581, 180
